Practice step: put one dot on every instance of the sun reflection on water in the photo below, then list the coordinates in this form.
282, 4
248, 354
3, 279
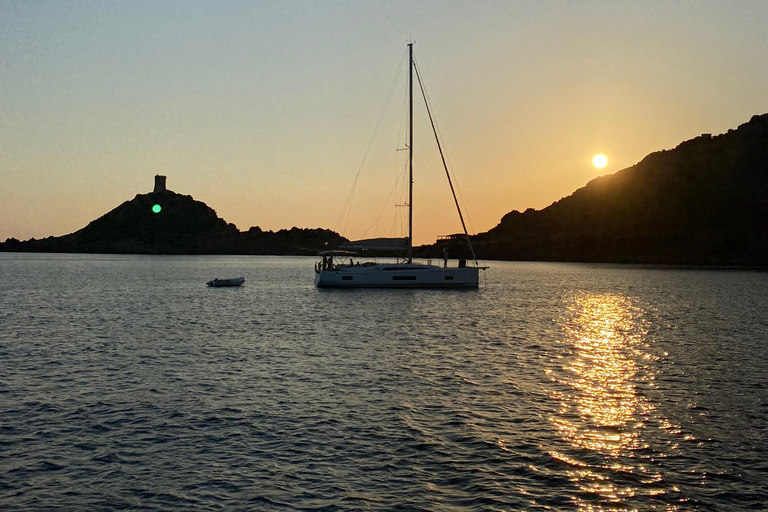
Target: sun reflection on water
601, 413
605, 333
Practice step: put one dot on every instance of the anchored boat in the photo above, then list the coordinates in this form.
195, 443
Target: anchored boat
338, 268
219, 283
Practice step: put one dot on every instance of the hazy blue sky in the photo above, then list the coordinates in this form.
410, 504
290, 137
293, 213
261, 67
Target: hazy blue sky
264, 110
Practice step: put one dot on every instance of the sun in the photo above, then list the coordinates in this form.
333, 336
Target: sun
600, 160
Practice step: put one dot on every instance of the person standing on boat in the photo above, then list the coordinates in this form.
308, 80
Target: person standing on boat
445, 257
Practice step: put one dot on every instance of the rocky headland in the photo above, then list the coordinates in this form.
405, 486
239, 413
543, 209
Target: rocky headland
704, 202
164, 222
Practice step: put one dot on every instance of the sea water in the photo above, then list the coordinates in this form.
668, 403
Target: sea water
127, 384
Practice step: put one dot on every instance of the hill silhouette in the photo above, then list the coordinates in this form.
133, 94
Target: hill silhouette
181, 226
703, 203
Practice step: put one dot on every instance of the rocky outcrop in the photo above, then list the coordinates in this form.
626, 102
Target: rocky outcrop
165, 222
703, 203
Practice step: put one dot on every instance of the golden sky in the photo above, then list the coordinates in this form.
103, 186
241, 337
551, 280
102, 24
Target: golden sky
265, 110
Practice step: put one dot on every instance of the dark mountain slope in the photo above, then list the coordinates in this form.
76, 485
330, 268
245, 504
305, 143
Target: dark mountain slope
181, 226
704, 202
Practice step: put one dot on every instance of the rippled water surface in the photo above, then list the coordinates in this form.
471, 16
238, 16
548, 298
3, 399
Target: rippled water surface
125, 383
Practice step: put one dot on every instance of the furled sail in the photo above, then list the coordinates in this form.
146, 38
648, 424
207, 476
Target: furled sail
376, 244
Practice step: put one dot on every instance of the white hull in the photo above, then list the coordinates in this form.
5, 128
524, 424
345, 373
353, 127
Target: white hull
402, 275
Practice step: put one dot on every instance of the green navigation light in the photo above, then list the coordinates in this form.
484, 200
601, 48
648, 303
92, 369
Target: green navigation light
157, 208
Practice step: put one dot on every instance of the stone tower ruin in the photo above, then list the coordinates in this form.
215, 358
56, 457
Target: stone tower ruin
159, 184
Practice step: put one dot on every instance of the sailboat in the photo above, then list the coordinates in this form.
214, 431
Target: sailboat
339, 270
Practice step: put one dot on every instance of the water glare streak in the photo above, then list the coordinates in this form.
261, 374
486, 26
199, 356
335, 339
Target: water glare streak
601, 413
129, 384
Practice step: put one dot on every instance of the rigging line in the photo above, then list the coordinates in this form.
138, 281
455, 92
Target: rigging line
370, 144
386, 202
447, 159
458, 188
396, 191
445, 166
376, 221
348, 203
401, 170
439, 135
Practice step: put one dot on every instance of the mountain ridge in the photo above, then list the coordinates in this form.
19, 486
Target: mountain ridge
182, 225
705, 202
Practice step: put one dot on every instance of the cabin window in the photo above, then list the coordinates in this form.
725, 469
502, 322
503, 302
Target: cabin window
449, 278
403, 278
346, 278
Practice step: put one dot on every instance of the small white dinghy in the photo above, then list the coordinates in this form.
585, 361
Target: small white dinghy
218, 283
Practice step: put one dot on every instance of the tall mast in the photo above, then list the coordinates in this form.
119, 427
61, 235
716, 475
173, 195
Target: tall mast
410, 152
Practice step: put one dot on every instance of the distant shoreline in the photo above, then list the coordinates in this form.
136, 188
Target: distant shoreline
650, 266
